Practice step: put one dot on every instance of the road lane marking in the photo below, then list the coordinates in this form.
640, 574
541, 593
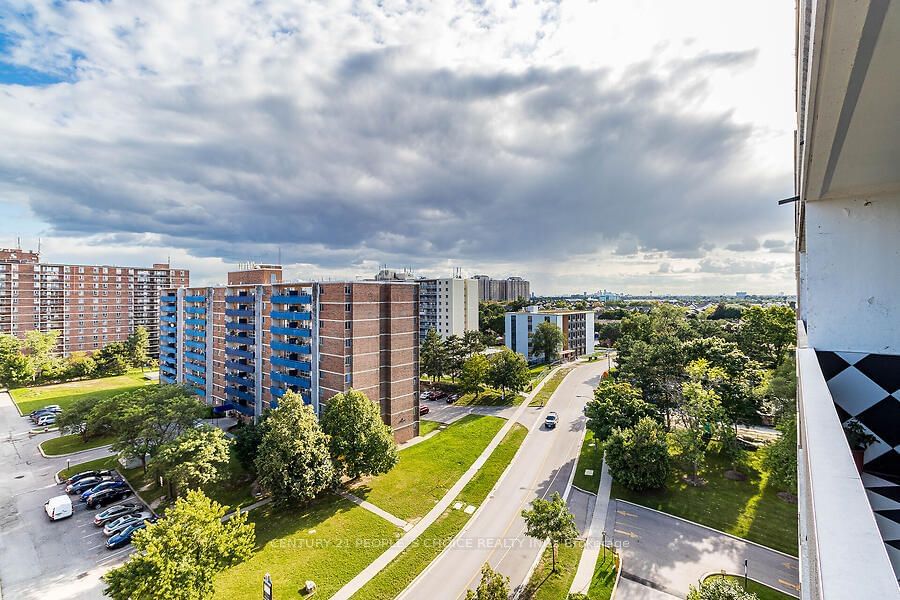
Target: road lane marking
625, 513
790, 565
793, 586
630, 534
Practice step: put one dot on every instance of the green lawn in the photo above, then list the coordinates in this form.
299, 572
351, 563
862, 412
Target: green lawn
548, 585
490, 397
66, 444
763, 592
543, 396
402, 570
64, 394
426, 426
591, 457
749, 509
328, 542
427, 470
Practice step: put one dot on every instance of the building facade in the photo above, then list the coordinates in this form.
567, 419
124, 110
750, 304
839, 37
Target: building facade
449, 306
502, 290
847, 215
90, 305
242, 346
577, 327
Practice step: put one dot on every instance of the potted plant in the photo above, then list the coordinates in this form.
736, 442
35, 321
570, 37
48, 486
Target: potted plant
858, 439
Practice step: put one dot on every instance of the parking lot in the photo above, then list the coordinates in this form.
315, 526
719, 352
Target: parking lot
41, 559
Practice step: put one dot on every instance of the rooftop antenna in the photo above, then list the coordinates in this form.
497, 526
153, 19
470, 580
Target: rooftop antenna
279, 255
39, 245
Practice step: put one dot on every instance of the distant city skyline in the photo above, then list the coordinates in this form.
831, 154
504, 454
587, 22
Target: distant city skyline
635, 147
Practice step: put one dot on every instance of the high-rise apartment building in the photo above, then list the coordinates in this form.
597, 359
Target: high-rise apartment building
449, 306
502, 290
848, 347
577, 327
90, 305
241, 346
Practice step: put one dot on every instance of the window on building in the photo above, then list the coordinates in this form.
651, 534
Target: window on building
348, 325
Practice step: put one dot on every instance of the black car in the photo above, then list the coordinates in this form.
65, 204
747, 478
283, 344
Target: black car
83, 485
107, 496
84, 474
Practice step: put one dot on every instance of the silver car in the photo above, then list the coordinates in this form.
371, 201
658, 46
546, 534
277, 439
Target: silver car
114, 512
114, 527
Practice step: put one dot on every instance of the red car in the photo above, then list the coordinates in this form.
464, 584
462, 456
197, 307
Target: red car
424, 410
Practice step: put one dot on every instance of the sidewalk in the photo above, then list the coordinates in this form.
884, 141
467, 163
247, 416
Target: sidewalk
394, 520
355, 584
593, 542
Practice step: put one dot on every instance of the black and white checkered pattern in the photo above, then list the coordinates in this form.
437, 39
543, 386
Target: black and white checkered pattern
867, 387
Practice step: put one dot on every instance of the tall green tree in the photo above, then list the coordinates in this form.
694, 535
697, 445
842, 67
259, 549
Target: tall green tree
360, 443
638, 457
247, 439
456, 354
492, 318
719, 588
81, 364
732, 375
79, 418
112, 359
699, 416
138, 345
548, 340
293, 461
193, 460
433, 355
473, 342
550, 520
767, 333
474, 373
616, 405
493, 586
39, 347
508, 372
178, 557
780, 457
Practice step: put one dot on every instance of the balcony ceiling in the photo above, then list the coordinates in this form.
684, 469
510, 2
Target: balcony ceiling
852, 143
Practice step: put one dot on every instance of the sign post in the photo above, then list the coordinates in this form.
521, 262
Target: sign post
267, 587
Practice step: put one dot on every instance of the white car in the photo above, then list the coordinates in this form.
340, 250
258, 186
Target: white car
114, 527
46, 420
58, 508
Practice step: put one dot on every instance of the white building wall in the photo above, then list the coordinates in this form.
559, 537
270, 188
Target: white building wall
457, 303
850, 285
589, 343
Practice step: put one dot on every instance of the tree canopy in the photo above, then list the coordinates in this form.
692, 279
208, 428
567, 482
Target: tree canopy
548, 340
360, 443
550, 520
432, 355
194, 459
638, 457
508, 371
493, 586
616, 405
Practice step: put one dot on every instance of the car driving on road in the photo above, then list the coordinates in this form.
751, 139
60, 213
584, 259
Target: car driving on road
551, 420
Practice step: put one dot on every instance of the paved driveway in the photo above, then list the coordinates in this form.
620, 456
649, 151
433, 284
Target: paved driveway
662, 555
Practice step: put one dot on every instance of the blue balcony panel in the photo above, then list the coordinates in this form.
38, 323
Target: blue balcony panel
292, 331
195, 379
236, 352
167, 369
195, 322
232, 391
195, 356
232, 364
168, 328
299, 299
240, 339
198, 333
250, 299
196, 367
278, 392
195, 298
168, 338
168, 309
167, 348
239, 312
290, 315
240, 380
195, 310
165, 379
240, 326
286, 347
244, 410
168, 319
291, 364
302, 382
195, 344
168, 359
198, 391
168, 299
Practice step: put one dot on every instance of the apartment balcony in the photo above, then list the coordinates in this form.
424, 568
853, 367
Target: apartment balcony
289, 315
848, 529
303, 382
201, 322
288, 347
278, 392
194, 379
240, 380
168, 299
239, 312
196, 367
165, 379
239, 366
289, 299
195, 333
169, 339
198, 391
195, 298
247, 340
244, 409
233, 392
292, 331
168, 349
234, 325
168, 319
195, 356
195, 344
238, 352
249, 299
299, 365
195, 310
168, 309
168, 369
168, 359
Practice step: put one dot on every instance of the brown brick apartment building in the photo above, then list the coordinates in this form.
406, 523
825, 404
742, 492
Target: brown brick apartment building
241, 346
91, 305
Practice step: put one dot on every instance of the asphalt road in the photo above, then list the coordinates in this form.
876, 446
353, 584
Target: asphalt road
496, 534
40, 559
662, 555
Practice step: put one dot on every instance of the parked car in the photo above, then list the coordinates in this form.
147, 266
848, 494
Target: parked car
452, 398
46, 420
123, 537
551, 420
79, 476
117, 525
114, 512
41, 414
424, 410
426, 395
437, 394
83, 484
54, 408
113, 484
107, 496
58, 507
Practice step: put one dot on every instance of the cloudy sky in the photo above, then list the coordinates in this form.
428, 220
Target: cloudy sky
633, 145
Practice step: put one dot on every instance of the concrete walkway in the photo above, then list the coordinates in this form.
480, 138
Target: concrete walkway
405, 526
410, 536
594, 539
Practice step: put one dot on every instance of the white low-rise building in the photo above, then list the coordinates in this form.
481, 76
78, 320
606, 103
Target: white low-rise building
577, 327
